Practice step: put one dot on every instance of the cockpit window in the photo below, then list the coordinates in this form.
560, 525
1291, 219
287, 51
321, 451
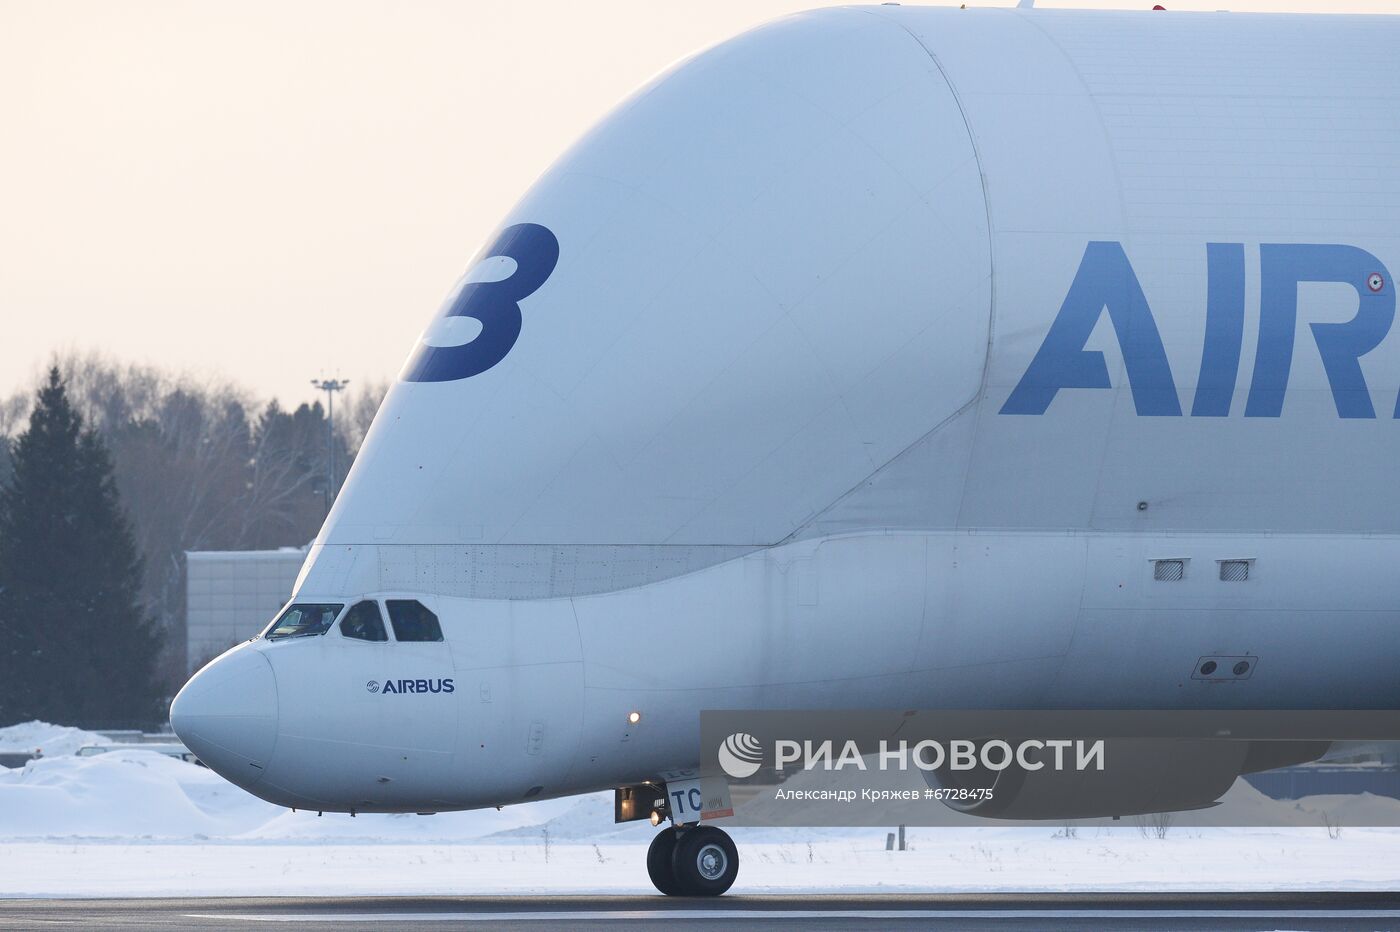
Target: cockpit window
363, 622
304, 619
412, 621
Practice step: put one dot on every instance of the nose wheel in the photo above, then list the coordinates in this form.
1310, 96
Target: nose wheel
699, 861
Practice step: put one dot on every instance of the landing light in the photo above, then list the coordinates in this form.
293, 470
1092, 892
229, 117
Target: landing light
634, 717
655, 817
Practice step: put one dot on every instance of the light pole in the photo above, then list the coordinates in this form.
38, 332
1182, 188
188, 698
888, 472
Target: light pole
330, 387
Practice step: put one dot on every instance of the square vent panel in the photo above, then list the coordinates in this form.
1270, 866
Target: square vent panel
1168, 570
1234, 570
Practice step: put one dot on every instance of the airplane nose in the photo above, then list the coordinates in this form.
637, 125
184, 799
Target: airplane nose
227, 715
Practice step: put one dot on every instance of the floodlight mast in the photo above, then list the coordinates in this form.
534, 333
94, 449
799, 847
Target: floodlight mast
330, 387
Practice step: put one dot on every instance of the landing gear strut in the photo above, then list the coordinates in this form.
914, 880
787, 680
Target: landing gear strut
696, 861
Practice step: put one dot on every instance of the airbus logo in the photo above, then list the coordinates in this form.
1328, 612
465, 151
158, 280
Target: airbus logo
1106, 281
442, 685
740, 755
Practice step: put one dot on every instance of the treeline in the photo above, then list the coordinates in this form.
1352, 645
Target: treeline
192, 466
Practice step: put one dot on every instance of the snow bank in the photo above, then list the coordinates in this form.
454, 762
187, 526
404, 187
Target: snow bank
122, 794
53, 740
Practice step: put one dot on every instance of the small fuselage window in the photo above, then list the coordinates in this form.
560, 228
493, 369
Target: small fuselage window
304, 619
413, 621
363, 622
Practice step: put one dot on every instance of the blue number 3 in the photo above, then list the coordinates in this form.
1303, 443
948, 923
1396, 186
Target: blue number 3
481, 321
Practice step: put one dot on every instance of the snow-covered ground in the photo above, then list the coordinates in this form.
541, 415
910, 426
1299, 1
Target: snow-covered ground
134, 823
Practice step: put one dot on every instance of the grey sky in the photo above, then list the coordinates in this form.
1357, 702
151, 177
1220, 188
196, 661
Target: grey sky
267, 191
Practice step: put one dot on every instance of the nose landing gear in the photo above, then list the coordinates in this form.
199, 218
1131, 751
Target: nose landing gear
696, 861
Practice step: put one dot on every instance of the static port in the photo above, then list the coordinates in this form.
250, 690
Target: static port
1208, 668
1241, 668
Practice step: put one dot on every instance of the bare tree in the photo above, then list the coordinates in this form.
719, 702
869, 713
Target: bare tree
1155, 824
282, 481
360, 409
14, 414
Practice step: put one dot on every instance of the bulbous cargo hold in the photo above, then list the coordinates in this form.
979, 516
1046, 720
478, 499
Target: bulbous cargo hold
773, 276
914, 269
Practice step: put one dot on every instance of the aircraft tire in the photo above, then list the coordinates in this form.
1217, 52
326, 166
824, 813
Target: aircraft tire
705, 862
659, 868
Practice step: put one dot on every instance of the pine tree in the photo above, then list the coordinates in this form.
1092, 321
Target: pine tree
75, 642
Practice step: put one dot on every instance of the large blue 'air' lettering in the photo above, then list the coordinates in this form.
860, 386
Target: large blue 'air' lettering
1105, 280
1282, 267
456, 352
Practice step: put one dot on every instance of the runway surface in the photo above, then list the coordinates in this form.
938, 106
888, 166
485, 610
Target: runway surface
965, 911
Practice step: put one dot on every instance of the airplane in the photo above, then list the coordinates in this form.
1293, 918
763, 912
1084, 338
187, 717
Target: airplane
881, 357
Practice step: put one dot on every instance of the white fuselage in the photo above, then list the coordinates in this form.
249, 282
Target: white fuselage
875, 359
899, 620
